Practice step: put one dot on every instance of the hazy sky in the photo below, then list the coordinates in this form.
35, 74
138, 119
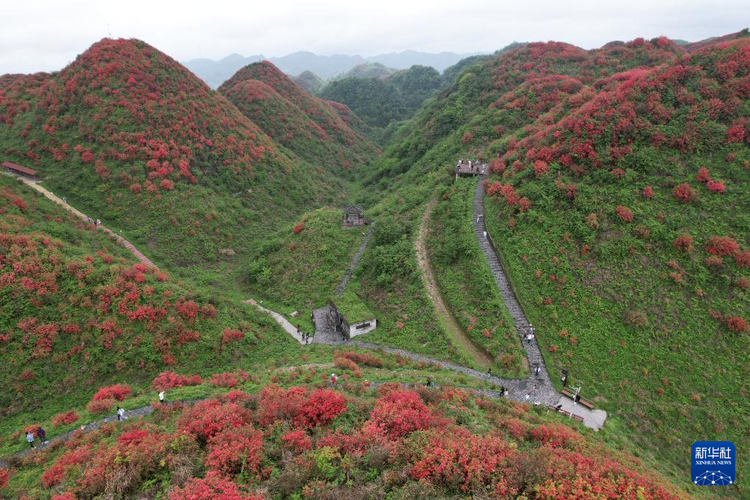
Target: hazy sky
45, 35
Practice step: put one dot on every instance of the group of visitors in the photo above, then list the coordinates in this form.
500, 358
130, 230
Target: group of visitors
528, 333
304, 336
472, 165
31, 436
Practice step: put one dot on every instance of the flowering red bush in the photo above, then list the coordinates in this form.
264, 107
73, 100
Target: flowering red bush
524, 204
56, 474
555, 435
212, 487
118, 392
684, 193
716, 186
209, 418
321, 407
170, 380
100, 406
703, 175
166, 185
540, 168
461, 459
65, 418
742, 258
624, 214
363, 359
236, 450
230, 335
298, 228
737, 324
399, 413
648, 192
226, 379
684, 243
722, 245
4, 478
297, 440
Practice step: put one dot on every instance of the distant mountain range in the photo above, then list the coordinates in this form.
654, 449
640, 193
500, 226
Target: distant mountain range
214, 73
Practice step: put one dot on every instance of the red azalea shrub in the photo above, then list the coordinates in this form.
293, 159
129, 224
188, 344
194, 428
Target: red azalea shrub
648, 192
703, 175
684, 243
540, 168
209, 418
56, 474
742, 259
100, 406
118, 392
322, 407
227, 380
65, 418
524, 204
722, 245
297, 440
555, 435
277, 404
716, 186
624, 214
365, 359
212, 487
737, 324
459, 458
399, 413
231, 335
236, 450
684, 193
166, 185
170, 380
298, 228
4, 478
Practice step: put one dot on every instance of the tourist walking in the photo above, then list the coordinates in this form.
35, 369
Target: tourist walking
30, 438
333, 379
120, 414
42, 435
161, 397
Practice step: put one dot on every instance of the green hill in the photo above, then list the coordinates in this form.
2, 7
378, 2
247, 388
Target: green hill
305, 124
133, 138
631, 257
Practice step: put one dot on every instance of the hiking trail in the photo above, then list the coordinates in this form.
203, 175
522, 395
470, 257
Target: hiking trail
122, 241
448, 321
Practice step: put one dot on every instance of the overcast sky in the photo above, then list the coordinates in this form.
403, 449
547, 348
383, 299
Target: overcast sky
45, 35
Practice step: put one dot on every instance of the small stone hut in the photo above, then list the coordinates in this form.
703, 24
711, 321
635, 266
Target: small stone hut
349, 316
353, 216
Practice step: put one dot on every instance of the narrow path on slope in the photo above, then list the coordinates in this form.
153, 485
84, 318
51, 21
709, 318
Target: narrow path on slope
592, 418
281, 320
451, 326
122, 241
342, 286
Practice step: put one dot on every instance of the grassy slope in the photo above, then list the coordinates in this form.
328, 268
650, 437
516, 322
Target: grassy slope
654, 316
467, 284
300, 271
78, 267
494, 106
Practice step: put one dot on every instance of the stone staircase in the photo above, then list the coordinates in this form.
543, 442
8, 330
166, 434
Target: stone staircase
533, 354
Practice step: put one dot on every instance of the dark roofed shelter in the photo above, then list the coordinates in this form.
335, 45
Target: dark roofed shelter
468, 167
353, 216
18, 169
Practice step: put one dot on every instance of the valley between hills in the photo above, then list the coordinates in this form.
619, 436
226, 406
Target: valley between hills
611, 212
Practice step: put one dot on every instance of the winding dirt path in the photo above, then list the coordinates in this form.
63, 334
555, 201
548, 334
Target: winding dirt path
52, 196
454, 330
